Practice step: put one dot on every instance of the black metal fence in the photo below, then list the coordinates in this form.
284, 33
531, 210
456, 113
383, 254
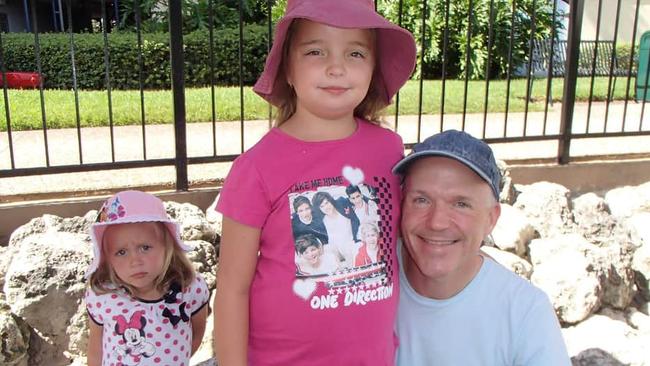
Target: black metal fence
548, 59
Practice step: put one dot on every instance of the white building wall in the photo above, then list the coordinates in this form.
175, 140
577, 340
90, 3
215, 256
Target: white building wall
608, 20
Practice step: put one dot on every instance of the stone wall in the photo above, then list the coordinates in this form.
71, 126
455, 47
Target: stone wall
589, 253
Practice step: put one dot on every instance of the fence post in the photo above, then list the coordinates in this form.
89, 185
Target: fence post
576, 8
178, 91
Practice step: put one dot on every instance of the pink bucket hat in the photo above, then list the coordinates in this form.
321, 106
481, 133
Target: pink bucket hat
395, 53
129, 207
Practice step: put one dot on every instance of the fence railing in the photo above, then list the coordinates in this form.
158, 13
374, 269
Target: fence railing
563, 63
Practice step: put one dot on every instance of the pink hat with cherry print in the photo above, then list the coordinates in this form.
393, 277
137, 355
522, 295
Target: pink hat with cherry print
129, 207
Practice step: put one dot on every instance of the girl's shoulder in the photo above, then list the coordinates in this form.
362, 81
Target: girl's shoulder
378, 131
197, 290
111, 291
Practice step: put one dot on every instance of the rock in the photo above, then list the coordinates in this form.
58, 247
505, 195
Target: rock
5, 258
194, 225
626, 201
639, 228
510, 261
592, 218
513, 231
564, 268
607, 339
508, 193
595, 357
215, 218
51, 223
641, 265
44, 286
15, 338
204, 259
547, 207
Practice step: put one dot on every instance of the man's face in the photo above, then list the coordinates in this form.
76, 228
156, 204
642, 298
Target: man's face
447, 211
356, 199
304, 213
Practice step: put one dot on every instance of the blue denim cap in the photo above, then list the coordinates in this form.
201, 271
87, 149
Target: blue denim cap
460, 146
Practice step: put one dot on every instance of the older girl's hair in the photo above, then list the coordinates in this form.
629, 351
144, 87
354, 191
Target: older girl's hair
369, 109
176, 268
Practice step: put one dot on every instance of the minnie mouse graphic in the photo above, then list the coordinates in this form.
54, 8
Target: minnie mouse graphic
135, 346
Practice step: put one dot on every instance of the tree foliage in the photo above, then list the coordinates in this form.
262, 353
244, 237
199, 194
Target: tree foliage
467, 22
197, 14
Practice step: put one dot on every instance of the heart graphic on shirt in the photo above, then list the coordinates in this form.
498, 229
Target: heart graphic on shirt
353, 175
304, 288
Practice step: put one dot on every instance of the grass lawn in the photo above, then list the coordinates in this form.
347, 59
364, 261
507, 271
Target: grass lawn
25, 110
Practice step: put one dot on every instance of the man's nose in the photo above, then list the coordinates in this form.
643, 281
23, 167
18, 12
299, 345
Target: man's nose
438, 217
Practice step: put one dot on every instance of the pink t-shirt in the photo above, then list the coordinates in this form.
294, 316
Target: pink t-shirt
344, 317
141, 332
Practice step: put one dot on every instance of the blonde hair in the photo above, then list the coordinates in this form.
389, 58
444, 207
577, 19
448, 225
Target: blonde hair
176, 268
369, 109
366, 227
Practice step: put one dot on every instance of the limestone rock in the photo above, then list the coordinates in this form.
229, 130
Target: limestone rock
215, 218
44, 286
513, 231
194, 225
564, 268
641, 264
52, 223
607, 339
626, 201
15, 338
204, 259
547, 207
508, 193
592, 218
514, 263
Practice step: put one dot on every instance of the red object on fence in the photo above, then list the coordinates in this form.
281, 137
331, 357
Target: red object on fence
20, 79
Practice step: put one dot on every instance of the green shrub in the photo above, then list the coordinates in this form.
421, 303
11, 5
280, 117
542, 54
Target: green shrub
56, 65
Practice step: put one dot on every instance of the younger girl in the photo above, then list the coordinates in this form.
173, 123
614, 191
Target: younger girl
146, 304
333, 66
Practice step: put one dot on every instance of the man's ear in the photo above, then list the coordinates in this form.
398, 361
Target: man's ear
493, 215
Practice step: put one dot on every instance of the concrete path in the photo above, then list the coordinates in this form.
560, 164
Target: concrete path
63, 146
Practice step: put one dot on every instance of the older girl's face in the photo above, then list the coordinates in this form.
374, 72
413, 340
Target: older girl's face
327, 207
330, 68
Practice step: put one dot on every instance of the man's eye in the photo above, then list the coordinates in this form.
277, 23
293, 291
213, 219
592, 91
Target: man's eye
463, 204
420, 200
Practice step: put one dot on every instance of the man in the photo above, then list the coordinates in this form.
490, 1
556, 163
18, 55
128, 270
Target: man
365, 208
303, 221
457, 306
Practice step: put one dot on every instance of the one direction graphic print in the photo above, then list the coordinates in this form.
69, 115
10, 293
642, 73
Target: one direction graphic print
341, 231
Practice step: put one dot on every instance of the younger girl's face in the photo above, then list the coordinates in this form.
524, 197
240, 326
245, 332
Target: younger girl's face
329, 68
136, 252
